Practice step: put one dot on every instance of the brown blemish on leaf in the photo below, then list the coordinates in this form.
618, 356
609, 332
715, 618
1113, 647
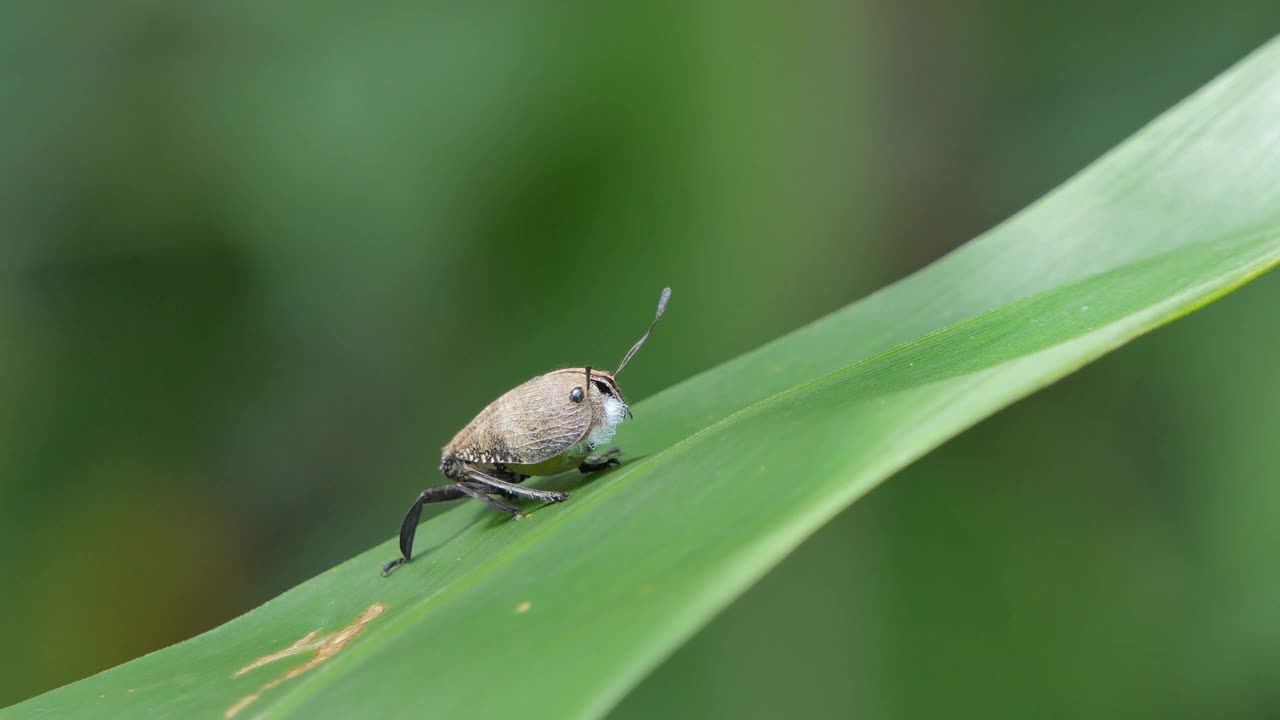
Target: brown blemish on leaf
324, 648
241, 704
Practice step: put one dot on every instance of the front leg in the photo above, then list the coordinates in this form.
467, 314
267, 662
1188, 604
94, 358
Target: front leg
603, 461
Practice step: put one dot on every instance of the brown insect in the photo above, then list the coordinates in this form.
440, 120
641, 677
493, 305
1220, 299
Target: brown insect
552, 423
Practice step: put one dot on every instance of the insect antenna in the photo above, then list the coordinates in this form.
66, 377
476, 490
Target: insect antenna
662, 307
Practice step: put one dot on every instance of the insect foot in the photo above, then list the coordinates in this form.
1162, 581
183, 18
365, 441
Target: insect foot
589, 467
603, 461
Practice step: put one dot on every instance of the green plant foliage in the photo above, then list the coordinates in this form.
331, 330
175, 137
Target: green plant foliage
560, 614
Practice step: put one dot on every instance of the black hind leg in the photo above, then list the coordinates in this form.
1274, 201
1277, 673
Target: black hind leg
441, 493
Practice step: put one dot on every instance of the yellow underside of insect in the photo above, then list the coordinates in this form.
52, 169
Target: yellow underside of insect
558, 464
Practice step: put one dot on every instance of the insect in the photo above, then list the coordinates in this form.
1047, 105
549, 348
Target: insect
552, 423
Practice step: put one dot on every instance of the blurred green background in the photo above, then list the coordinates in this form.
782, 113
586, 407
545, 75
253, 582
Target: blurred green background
260, 261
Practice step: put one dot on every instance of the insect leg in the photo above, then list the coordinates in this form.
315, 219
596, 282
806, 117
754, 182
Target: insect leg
409, 528
604, 460
505, 487
479, 494
442, 493
502, 472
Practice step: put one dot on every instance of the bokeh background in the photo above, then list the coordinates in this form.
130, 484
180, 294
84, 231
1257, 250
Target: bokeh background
258, 261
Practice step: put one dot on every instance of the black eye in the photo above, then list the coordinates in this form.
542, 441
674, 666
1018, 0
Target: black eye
603, 387
576, 394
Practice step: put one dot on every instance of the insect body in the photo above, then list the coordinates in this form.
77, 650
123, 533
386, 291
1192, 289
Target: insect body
549, 424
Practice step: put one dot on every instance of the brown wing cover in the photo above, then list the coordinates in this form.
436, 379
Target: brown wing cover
531, 423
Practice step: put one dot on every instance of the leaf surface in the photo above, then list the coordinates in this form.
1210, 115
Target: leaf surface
560, 614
